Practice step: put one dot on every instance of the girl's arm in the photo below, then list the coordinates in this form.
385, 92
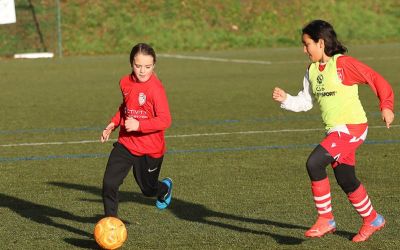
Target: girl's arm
115, 122
116, 119
302, 102
355, 72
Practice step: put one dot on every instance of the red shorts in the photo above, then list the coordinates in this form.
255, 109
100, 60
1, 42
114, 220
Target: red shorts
342, 147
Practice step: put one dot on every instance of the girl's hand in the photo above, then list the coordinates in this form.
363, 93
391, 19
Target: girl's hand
131, 124
279, 94
387, 116
107, 131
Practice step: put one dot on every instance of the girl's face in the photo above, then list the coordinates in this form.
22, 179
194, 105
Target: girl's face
143, 66
314, 50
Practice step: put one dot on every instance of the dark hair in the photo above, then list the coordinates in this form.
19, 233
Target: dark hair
319, 29
144, 49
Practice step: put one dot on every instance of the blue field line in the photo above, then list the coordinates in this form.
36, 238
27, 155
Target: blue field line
176, 124
184, 151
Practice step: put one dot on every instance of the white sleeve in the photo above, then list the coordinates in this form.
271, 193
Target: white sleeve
303, 101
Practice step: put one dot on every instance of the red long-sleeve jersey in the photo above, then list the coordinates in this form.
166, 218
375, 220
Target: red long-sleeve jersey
146, 102
353, 71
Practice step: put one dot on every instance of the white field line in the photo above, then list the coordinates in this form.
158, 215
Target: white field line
215, 59
183, 136
219, 59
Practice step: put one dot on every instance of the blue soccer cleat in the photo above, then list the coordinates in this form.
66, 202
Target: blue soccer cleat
162, 204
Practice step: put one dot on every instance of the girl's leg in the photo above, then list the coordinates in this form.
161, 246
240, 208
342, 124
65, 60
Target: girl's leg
358, 197
320, 187
146, 171
118, 166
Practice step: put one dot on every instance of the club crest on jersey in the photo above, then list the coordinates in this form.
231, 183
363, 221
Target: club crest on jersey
320, 79
340, 74
142, 99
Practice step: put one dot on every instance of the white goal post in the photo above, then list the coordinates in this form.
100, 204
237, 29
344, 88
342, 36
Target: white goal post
7, 12
30, 28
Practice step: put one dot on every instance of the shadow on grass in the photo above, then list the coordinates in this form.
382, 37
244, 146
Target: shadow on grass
82, 243
44, 215
197, 213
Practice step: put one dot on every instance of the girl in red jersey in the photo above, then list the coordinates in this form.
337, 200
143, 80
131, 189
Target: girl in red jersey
332, 79
142, 117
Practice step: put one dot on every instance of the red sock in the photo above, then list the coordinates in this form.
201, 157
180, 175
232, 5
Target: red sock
361, 202
322, 197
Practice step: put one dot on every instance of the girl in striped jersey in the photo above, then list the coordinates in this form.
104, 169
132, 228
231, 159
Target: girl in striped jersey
332, 79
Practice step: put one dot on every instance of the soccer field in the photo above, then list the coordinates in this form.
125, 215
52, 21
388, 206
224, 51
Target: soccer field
236, 158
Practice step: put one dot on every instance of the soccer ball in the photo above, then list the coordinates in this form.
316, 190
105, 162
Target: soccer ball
110, 233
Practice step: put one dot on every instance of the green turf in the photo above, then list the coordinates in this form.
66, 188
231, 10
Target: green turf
239, 175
